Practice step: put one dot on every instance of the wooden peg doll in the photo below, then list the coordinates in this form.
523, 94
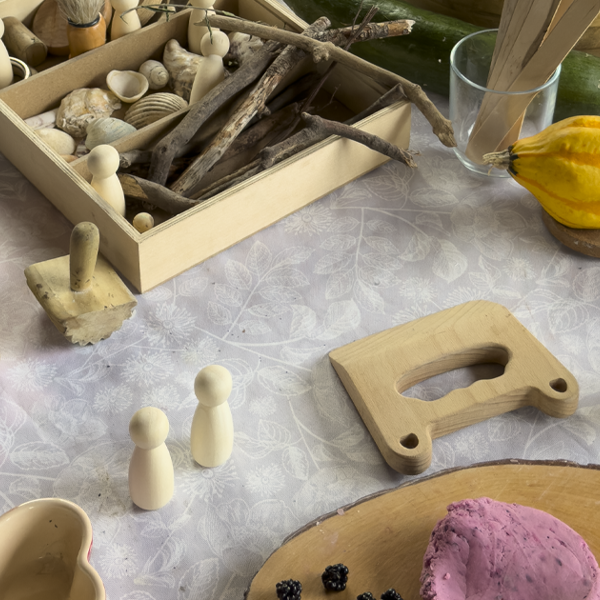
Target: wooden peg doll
196, 32
211, 71
6, 72
151, 475
212, 426
103, 163
124, 24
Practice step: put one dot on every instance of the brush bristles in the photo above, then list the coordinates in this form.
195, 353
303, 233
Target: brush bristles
80, 12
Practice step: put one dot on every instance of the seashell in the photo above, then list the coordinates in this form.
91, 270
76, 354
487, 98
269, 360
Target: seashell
83, 105
182, 66
152, 108
106, 130
156, 74
128, 86
45, 119
58, 140
242, 46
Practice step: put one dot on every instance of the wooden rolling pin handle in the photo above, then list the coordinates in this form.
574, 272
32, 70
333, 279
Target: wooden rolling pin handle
22, 43
85, 241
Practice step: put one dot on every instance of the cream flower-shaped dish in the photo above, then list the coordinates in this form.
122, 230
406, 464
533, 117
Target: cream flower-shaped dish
44, 552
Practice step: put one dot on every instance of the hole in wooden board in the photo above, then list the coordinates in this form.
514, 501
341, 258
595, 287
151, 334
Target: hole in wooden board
559, 385
454, 372
410, 441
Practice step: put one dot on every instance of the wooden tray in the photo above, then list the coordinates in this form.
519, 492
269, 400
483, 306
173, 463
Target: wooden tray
189, 238
382, 538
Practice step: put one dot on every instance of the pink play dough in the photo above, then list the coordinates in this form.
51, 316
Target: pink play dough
488, 550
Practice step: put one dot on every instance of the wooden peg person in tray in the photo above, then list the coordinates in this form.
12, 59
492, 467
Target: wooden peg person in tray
195, 30
6, 72
123, 24
211, 71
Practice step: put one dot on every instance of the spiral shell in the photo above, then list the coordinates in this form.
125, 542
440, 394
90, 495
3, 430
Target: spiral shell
152, 108
156, 74
106, 130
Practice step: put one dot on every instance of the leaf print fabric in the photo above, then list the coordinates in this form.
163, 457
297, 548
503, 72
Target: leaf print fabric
393, 246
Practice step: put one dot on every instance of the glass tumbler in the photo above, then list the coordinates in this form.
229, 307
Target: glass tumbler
470, 62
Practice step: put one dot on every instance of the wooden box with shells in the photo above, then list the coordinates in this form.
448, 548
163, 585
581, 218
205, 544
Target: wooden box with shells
176, 242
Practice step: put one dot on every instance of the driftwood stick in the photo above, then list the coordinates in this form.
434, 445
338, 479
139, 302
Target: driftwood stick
170, 146
357, 31
374, 142
441, 126
199, 113
189, 182
154, 193
251, 141
292, 145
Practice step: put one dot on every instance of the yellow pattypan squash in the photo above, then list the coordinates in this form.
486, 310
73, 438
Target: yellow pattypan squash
560, 166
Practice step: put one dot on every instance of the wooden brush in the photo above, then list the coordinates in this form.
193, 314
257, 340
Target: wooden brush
80, 12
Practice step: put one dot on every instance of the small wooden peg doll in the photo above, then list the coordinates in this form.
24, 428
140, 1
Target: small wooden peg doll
151, 475
211, 71
103, 162
124, 24
196, 32
212, 426
6, 72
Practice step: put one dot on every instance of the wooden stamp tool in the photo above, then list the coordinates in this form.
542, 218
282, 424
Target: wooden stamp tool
377, 370
81, 293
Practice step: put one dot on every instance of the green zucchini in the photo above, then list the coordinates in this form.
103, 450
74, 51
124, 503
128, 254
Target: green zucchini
423, 56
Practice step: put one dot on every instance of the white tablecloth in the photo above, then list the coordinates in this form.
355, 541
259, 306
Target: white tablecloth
393, 246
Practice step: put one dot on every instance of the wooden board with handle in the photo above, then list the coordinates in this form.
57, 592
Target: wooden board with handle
382, 538
379, 368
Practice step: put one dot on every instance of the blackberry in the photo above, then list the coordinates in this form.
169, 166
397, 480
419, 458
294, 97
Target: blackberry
365, 596
335, 577
290, 589
391, 594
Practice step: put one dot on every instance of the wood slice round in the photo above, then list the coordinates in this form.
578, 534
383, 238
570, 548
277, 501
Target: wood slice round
585, 241
51, 26
382, 538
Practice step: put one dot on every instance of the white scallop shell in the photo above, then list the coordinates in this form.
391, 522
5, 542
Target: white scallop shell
106, 130
58, 140
128, 86
152, 108
82, 106
182, 66
156, 74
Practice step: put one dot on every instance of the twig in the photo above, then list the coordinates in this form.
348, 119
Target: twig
327, 127
154, 193
441, 126
356, 31
189, 182
292, 145
166, 149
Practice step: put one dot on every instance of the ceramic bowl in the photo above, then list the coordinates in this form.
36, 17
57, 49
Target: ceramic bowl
44, 553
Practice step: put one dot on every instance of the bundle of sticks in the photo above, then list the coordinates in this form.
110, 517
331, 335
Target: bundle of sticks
292, 128
533, 39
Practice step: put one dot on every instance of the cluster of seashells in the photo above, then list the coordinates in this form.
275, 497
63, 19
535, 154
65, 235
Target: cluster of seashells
84, 118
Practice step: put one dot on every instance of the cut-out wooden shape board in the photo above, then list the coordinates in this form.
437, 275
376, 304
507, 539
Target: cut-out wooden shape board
376, 370
382, 538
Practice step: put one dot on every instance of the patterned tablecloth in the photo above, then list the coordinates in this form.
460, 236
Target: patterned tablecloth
395, 245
